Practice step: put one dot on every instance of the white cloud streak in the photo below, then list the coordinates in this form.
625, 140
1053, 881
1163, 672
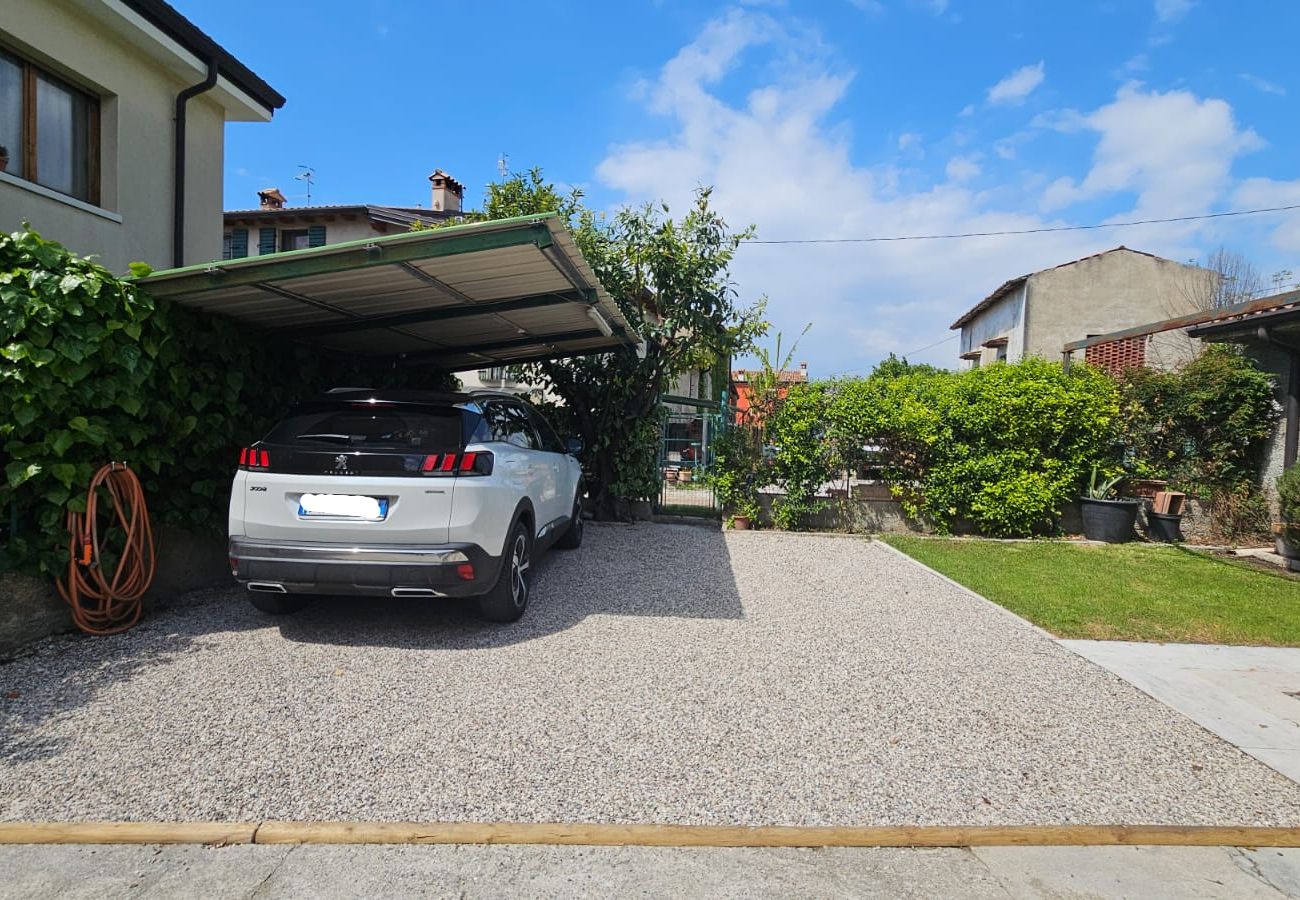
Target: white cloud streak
1018, 85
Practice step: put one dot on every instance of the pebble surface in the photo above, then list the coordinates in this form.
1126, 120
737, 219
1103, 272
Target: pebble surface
664, 673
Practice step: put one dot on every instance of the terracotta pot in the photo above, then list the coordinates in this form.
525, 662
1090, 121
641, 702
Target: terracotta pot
670, 475
740, 523
684, 476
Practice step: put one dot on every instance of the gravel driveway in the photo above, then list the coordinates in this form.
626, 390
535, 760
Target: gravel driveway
664, 674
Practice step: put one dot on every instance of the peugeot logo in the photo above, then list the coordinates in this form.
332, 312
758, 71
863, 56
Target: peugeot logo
341, 465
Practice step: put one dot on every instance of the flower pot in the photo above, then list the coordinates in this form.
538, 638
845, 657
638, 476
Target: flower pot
1111, 521
1163, 527
740, 523
670, 475
684, 476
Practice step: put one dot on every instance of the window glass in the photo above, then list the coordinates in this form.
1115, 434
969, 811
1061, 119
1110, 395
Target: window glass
11, 113
294, 240
62, 138
511, 424
425, 430
550, 440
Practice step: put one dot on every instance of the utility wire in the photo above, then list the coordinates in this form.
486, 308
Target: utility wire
972, 234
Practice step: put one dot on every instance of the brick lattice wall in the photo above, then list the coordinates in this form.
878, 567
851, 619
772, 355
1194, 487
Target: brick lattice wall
1116, 356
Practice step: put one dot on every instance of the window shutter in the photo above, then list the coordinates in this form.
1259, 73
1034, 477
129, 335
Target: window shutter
238, 243
316, 236
265, 241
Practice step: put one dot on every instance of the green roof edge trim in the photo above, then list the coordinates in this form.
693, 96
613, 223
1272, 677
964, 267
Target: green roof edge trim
397, 239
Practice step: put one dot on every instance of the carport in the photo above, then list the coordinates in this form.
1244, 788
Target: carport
488, 293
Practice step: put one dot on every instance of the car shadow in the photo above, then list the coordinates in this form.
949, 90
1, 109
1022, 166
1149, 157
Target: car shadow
623, 570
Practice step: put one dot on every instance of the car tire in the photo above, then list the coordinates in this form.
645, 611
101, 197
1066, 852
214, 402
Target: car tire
279, 604
508, 598
572, 537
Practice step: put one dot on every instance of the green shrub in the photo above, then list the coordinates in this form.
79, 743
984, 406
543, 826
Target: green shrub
92, 370
1004, 447
1288, 494
1203, 427
802, 461
737, 471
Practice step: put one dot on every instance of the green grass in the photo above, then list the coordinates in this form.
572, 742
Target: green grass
1132, 592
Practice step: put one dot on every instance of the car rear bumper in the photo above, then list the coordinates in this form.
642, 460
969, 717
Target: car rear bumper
378, 570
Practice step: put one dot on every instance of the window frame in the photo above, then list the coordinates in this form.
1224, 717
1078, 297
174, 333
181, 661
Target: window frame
30, 168
286, 233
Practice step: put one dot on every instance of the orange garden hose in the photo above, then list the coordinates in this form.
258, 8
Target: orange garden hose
100, 605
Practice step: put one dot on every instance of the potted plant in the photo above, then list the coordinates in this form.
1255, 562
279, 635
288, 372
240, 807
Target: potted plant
4, 157
1106, 518
745, 515
1287, 532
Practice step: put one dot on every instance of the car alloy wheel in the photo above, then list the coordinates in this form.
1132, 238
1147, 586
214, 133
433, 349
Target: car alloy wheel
519, 571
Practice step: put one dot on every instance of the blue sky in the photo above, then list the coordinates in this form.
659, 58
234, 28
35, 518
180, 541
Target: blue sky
838, 118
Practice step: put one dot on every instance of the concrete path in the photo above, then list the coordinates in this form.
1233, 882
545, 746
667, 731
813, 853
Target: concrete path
1249, 696
620, 872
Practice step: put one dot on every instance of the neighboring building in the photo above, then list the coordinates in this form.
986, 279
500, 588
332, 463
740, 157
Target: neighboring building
274, 227
741, 393
1268, 329
1037, 314
1269, 332
97, 156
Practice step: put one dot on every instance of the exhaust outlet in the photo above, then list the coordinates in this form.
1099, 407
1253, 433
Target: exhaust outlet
267, 587
415, 592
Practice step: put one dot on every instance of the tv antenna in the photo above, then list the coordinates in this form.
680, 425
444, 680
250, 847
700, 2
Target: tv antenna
503, 164
308, 175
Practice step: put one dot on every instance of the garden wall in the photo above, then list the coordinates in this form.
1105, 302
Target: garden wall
31, 609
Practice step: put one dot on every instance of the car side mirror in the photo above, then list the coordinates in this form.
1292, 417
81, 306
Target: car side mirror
573, 446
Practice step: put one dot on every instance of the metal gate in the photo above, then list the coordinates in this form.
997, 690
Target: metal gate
688, 429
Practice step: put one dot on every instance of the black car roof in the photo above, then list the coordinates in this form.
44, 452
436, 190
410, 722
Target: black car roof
418, 398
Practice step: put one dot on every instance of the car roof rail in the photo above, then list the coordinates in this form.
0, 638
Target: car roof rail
344, 390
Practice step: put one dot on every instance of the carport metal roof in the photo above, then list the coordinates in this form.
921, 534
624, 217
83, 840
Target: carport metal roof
459, 297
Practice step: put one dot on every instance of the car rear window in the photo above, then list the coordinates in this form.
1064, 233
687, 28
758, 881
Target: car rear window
375, 427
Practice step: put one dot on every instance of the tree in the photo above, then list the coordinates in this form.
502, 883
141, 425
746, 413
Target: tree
670, 278
1238, 281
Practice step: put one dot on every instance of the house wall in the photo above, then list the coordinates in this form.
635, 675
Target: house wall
137, 101
1005, 318
1109, 292
1276, 362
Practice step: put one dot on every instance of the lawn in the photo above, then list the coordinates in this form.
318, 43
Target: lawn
1133, 592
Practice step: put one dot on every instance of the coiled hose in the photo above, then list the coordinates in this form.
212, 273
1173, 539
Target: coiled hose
100, 605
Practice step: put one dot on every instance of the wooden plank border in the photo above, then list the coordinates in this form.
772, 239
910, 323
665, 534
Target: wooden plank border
642, 835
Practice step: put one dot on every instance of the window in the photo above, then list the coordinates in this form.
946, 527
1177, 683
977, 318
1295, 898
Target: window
234, 243
49, 129
294, 239
550, 440
510, 423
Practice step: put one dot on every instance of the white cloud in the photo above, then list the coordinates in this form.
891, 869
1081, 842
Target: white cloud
1173, 10
1018, 85
967, 111
961, 168
875, 7
779, 155
1265, 193
908, 140
1174, 151
1261, 84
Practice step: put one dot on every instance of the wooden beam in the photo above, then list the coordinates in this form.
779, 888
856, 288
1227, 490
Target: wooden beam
435, 314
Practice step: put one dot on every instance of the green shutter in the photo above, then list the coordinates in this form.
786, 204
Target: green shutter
238, 243
316, 236
265, 241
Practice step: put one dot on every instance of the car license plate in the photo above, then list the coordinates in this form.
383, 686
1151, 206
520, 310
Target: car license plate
343, 506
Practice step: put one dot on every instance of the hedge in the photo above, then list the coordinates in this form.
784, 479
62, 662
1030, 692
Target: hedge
92, 369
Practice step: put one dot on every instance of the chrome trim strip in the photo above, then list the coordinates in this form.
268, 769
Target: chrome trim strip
371, 554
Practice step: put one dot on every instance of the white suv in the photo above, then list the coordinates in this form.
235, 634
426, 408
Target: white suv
403, 494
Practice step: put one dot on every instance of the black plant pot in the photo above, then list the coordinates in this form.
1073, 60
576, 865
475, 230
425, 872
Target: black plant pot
1164, 527
1111, 521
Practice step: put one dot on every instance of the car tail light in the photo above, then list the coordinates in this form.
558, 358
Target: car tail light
474, 462
465, 571
254, 458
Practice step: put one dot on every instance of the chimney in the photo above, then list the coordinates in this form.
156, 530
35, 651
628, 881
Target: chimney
803, 367
447, 192
271, 198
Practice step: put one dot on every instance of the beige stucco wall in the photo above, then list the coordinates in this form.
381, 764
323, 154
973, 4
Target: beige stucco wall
1004, 319
138, 92
1105, 293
